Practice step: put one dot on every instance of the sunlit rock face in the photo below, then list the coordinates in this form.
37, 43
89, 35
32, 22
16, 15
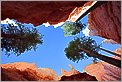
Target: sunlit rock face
38, 12
13, 74
118, 51
22, 71
104, 71
69, 73
105, 21
109, 41
78, 11
47, 74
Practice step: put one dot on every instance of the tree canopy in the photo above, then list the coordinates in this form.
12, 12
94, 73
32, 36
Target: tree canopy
20, 38
73, 51
72, 28
85, 47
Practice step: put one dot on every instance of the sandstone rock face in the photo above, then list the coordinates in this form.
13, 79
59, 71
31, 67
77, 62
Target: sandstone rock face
38, 12
105, 21
13, 74
118, 51
104, 71
19, 65
70, 72
109, 41
22, 71
78, 77
74, 75
78, 11
47, 74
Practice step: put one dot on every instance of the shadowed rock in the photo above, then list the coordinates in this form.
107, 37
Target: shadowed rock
38, 12
78, 77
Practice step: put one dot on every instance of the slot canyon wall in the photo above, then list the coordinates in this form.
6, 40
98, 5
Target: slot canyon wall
104, 21
38, 12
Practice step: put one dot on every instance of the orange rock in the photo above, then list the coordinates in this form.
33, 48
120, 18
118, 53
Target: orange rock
74, 75
78, 11
104, 71
69, 73
48, 74
72, 71
118, 51
105, 21
22, 71
19, 65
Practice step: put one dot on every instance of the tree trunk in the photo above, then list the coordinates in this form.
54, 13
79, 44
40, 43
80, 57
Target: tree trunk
110, 52
109, 60
98, 3
107, 51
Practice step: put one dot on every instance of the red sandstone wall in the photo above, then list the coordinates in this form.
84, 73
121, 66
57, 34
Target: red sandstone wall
104, 71
105, 21
38, 12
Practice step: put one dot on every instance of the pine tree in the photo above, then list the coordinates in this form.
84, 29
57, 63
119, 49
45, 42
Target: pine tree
72, 28
20, 38
85, 47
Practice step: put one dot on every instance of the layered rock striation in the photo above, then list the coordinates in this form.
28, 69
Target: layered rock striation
104, 71
105, 21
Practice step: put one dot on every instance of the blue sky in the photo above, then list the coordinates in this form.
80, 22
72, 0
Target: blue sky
51, 53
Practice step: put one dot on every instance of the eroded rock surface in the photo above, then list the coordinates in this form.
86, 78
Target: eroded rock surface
78, 77
74, 75
105, 21
22, 71
38, 12
104, 71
